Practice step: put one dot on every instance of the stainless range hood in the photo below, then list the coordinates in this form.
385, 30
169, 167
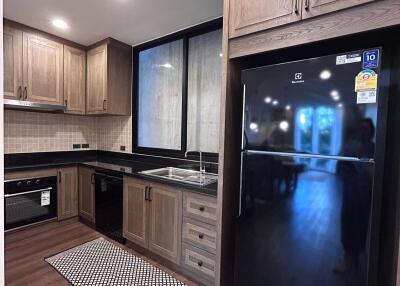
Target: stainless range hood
32, 106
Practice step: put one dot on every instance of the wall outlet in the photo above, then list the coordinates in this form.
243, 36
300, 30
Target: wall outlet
76, 146
85, 145
122, 148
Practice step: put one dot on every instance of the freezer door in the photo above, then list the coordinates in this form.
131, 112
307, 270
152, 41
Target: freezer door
311, 106
302, 226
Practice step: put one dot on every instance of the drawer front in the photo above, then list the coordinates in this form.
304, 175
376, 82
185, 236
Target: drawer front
200, 263
201, 235
200, 207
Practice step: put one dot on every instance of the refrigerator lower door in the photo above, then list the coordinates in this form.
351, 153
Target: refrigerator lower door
303, 221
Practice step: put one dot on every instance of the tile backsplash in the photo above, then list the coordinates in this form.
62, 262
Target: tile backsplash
43, 132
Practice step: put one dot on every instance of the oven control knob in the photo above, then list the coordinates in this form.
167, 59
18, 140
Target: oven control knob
28, 183
19, 184
37, 181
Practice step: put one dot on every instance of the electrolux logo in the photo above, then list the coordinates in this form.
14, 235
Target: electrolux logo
298, 78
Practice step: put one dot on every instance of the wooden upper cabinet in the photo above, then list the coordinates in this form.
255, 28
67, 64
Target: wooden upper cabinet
109, 78
12, 45
249, 16
165, 222
86, 193
43, 69
135, 212
312, 8
67, 192
74, 80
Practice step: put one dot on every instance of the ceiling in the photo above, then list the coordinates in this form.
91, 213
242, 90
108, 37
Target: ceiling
130, 21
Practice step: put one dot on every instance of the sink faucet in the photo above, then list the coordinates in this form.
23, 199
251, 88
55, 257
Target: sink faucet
202, 171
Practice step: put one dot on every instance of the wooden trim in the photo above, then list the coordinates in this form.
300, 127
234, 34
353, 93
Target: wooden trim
372, 16
31, 30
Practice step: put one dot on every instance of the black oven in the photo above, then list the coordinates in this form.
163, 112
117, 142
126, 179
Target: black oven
29, 201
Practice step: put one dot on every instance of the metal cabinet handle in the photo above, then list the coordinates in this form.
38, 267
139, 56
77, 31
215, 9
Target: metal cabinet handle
92, 179
66, 102
59, 176
150, 199
201, 236
296, 7
20, 92
145, 193
25, 93
200, 263
105, 104
307, 5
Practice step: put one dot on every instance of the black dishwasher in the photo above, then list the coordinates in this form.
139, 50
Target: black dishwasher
108, 203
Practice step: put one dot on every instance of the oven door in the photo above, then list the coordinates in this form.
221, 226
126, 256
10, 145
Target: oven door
29, 207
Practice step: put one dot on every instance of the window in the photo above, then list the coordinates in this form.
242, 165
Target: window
204, 88
178, 93
160, 96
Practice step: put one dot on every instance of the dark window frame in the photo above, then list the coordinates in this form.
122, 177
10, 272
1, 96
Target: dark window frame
184, 35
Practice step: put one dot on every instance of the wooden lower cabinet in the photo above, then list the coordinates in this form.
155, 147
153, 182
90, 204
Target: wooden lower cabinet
67, 193
165, 222
153, 217
86, 193
135, 212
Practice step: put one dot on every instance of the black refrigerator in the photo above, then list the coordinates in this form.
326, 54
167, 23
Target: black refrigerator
308, 173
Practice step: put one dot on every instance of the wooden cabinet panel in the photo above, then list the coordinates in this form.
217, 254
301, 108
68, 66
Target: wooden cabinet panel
135, 212
74, 80
200, 234
199, 207
312, 8
96, 89
165, 222
12, 48
86, 193
249, 16
67, 192
200, 263
43, 69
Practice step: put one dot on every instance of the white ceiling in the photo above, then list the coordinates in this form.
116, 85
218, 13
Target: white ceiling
130, 21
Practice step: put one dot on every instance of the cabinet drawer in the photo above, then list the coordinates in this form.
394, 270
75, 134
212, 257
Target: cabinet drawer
200, 263
199, 234
200, 207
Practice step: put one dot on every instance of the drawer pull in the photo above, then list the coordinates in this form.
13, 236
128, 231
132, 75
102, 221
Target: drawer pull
200, 263
201, 236
201, 209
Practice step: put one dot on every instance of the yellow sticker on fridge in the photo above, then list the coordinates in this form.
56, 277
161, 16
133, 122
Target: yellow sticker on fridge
366, 80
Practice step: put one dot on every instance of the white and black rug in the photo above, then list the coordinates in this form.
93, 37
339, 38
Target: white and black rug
100, 262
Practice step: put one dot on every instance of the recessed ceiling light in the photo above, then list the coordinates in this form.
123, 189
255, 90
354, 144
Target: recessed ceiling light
325, 74
268, 99
58, 23
284, 125
253, 126
275, 102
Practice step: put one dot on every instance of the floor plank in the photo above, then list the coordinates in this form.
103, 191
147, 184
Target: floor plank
25, 252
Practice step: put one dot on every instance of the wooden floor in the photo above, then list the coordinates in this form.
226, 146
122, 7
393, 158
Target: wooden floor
25, 252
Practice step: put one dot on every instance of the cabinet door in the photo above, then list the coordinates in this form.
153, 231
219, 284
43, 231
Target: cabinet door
86, 193
12, 47
135, 212
42, 69
312, 8
165, 222
96, 89
249, 16
74, 80
67, 193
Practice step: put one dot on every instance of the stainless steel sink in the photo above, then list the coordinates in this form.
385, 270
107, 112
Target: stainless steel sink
182, 175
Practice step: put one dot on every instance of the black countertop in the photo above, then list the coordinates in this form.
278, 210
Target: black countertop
131, 167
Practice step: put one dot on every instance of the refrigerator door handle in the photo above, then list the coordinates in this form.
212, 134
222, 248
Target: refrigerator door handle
243, 114
241, 185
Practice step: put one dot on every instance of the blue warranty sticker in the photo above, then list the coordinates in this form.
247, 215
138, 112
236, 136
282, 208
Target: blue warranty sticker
371, 59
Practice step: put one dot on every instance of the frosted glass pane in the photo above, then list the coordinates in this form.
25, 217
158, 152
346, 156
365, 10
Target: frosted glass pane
160, 96
204, 92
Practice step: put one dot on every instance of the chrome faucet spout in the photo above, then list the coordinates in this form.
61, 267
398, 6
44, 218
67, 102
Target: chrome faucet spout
202, 171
